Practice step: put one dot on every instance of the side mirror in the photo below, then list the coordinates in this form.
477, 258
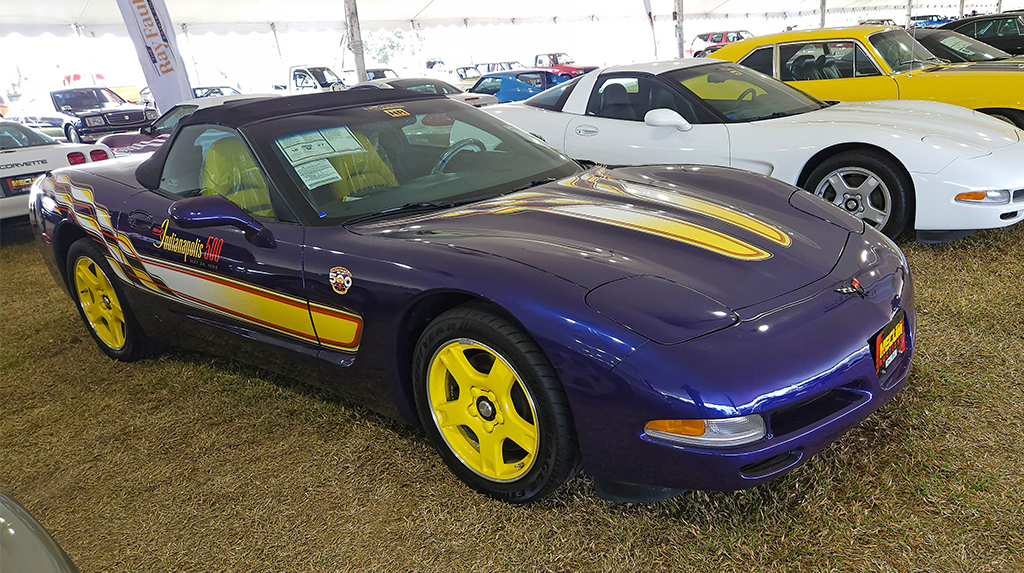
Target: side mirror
666, 118
216, 210
147, 130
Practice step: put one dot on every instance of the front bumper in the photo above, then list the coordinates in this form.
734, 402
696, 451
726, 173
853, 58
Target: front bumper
92, 134
802, 361
937, 210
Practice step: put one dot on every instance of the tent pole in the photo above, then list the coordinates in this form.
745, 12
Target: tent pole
273, 30
355, 42
679, 29
910, 8
999, 6
823, 13
961, 8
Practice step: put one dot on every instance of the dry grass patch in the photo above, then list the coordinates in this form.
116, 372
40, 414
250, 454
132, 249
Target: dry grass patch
192, 463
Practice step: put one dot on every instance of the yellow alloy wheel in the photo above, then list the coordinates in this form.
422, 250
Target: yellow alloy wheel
483, 410
99, 303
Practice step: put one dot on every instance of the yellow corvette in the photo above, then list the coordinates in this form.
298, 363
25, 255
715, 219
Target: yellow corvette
862, 63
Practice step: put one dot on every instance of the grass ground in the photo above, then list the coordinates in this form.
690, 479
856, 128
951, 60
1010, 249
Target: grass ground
187, 462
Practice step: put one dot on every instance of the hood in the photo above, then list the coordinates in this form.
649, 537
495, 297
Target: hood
730, 235
979, 133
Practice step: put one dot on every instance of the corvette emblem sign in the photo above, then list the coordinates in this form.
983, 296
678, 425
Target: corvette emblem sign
852, 287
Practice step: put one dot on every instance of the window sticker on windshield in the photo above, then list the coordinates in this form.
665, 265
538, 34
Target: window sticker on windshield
316, 173
394, 110
316, 144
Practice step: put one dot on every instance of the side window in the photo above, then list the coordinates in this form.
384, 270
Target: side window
535, 79
987, 29
968, 30
799, 62
166, 125
732, 37
211, 160
837, 62
487, 86
716, 38
762, 60
543, 61
1008, 28
630, 98
864, 64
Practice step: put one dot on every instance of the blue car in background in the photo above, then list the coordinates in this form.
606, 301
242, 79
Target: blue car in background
516, 85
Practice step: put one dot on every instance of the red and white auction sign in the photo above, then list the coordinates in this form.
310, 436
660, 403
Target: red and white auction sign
151, 30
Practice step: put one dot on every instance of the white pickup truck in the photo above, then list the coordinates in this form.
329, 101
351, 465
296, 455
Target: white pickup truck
306, 79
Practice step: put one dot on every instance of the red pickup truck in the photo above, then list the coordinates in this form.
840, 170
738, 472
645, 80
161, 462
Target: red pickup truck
560, 64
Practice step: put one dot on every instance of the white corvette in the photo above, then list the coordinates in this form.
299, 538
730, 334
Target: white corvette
945, 170
26, 154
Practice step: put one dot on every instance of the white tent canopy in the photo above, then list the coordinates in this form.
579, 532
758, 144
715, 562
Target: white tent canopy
97, 17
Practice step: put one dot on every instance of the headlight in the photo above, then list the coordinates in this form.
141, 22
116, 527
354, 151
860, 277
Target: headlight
1000, 197
151, 114
719, 432
94, 121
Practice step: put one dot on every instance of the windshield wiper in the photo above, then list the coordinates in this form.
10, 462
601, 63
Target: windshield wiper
775, 114
533, 183
403, 210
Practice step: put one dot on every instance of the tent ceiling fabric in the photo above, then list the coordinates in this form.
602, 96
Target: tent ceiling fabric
30, 17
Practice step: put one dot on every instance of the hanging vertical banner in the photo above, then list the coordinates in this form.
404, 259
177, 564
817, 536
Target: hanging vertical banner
650, 18
151, 30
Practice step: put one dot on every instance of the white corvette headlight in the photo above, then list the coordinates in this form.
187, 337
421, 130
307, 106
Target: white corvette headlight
94, 121
718, 432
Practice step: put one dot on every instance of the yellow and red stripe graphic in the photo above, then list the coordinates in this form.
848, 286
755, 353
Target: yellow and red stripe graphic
245, 302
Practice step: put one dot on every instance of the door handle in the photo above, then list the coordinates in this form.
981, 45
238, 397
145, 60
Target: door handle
586, 130
140, 220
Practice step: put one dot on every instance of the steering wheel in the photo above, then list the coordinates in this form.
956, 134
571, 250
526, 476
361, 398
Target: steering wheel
454, 149
751, 91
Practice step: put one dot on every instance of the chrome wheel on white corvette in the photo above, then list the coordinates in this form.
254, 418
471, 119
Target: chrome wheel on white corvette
859, 192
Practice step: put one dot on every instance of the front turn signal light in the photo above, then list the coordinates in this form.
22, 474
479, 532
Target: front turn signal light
716, 432
997, 197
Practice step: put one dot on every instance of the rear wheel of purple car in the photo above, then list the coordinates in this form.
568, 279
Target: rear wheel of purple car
493, 407
102, 304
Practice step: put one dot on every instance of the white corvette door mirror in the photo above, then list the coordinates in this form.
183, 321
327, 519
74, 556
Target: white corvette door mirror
666, 118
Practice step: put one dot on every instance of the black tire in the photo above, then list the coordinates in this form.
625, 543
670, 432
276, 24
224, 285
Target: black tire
1010, 116
72, 135
851, 165
556, 458
566, 76
136, 344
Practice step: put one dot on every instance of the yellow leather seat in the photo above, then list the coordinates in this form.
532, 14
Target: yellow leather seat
360, 170
229, 170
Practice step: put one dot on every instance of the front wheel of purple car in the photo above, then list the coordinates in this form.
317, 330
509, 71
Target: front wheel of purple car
493, 407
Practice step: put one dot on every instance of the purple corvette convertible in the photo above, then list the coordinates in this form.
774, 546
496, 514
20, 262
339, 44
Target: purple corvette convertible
663, 328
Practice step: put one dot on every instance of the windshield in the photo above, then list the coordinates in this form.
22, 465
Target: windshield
561, 59
170, 119
960, 48
353, 162
324, 76
14, 136
86, 98
741, 94
902, 52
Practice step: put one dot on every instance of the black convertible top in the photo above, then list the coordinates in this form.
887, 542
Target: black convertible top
243, 112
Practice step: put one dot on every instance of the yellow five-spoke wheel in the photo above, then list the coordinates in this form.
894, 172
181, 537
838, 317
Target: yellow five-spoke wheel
493, 406
101, 303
